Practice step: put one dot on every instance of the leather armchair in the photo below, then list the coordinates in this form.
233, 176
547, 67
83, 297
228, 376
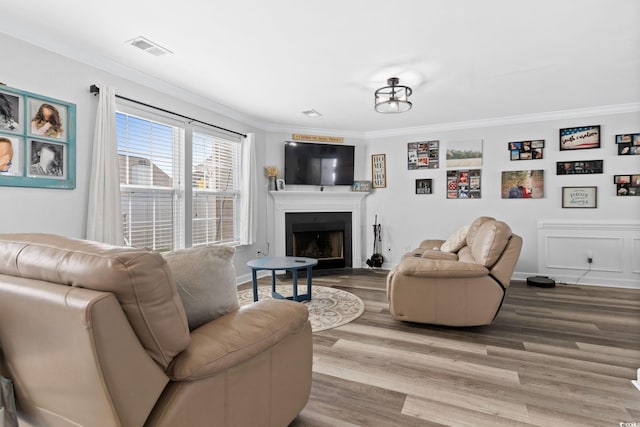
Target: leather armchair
465, 288
96, 335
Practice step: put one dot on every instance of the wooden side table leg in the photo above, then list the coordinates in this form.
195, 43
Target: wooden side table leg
254, 281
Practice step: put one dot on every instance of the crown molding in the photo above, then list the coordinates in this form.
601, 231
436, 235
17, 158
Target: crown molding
631, 107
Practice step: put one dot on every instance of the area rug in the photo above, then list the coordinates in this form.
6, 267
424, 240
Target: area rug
328, 308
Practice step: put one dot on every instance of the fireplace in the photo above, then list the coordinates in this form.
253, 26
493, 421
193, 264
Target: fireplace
325, 236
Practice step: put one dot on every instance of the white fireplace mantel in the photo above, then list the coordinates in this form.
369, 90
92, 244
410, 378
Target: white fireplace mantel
318, 201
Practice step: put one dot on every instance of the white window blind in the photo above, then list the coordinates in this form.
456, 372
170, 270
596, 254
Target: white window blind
151, 169
216, 190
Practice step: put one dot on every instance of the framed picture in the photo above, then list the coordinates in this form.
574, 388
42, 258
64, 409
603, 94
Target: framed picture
526, 150
526, 184
11, 155
280, 186
579, 167
364, 186
463, 184
37, 140
580, 197
627, 185
379, 170
424, 186
580, 138
11, 112
628, 144
461, 154
423, 155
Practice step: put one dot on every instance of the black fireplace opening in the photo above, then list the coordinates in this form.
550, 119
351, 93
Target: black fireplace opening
325, 236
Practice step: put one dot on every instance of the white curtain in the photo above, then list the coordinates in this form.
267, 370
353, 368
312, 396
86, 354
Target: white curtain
104, 218
249, 192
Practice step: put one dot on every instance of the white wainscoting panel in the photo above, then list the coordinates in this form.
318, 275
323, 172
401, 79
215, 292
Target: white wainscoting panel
565, 246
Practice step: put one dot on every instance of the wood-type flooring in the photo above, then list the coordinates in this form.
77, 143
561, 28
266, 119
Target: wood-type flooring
563, 356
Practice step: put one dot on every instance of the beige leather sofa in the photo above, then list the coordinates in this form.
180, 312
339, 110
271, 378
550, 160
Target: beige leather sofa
459, 288
94, 335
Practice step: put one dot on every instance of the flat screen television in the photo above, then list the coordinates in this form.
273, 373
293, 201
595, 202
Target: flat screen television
318, 164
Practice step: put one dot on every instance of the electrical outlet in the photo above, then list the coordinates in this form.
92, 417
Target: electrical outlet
590, 260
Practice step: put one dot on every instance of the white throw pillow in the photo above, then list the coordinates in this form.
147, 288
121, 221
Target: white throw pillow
456, 241
206, 282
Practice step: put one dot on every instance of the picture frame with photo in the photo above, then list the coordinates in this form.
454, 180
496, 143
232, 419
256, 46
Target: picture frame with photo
424, 186
524, 184
423, 155
361, 186
463, 184
37, 144
580, 138
627, 185
580, 167
526, 150
280, 184
464, 153
11, 111
580, 197
628, 144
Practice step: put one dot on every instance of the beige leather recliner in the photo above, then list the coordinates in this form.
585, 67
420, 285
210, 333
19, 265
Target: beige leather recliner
466, 288
94, 335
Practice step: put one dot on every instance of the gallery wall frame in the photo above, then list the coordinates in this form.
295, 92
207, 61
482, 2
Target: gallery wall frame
37, 140
523, 184
379, 170
464, 154
423, 155
526, 150
580, 197
580, 138
627, 185
628, 144
580, 167
463, 184
424, 186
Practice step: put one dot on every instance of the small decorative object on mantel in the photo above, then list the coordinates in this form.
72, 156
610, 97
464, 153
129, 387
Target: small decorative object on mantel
362, 186
272, 173
627, 185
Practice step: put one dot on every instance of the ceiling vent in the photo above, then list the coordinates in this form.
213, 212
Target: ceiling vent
311, 113
148, 46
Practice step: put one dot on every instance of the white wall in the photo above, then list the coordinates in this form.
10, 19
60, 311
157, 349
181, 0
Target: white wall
408, 218
64, 211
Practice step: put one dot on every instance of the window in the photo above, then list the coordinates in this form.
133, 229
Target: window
216, 190
153, 169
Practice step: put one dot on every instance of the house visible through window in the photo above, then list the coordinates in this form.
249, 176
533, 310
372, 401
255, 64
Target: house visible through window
155, 201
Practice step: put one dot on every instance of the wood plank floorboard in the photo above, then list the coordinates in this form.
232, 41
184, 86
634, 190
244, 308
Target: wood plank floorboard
563, 356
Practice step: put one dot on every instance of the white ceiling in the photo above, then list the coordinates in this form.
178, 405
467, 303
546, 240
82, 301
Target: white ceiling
269, 60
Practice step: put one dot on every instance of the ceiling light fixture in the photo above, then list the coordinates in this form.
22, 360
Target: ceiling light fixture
393, 98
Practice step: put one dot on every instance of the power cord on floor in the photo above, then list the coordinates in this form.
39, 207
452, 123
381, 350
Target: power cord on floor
583, 274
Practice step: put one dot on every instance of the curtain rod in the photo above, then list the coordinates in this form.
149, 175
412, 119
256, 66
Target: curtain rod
96, 90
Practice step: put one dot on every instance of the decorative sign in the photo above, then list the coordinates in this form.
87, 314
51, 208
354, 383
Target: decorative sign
317, 138
580, 138
379, 170
579, 197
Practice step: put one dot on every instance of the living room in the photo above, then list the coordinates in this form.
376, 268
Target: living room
553, 90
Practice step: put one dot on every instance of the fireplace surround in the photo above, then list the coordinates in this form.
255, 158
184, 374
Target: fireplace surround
325, 236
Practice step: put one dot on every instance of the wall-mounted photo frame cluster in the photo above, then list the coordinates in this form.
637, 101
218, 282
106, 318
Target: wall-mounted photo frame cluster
424, 186
525, 184
627, 185
628, 144
423, 155
579, 167
580, 138
463, 184
526, 150
37, 140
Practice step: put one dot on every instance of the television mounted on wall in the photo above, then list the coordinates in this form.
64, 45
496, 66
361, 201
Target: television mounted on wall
318, 164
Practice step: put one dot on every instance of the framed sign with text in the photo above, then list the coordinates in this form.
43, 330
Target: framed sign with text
378, 171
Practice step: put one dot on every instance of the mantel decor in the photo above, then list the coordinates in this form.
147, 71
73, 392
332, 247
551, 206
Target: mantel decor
37, 140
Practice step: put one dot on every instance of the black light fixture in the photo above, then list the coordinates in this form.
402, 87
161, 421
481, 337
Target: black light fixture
393, 98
